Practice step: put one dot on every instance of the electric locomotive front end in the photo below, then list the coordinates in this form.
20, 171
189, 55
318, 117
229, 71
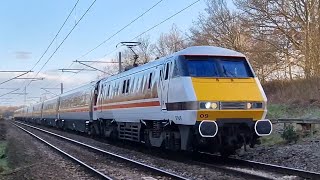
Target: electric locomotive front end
231, 104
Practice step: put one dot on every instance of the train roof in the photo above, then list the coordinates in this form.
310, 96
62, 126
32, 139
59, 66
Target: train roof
208, 51
89, 85
192, 51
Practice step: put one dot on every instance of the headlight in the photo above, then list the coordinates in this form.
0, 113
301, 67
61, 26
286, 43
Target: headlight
214, 105
209, 105
249, 105
254, 105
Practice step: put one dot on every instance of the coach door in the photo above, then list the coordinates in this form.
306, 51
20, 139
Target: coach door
165, 79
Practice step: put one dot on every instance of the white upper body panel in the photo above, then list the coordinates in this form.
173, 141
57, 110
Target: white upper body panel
208, 51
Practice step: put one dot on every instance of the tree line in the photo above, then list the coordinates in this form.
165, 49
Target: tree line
281, 38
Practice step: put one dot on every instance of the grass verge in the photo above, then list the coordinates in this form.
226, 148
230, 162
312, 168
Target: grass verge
276, 111
3, 157
273, 139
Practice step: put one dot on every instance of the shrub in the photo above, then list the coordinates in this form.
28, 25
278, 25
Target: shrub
289, 134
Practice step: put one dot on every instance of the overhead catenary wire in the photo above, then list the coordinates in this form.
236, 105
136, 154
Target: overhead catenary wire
187, 7
64, 39
55, 37
168, 18
144, 32
113, 35
9, 92
14, 77
149, 29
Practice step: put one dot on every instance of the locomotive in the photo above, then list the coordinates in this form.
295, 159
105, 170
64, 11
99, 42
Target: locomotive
201, 98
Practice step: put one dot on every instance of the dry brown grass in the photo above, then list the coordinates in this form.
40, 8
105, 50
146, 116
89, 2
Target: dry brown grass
300, 92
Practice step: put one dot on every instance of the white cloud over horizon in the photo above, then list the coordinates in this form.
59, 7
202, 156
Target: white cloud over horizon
52, 79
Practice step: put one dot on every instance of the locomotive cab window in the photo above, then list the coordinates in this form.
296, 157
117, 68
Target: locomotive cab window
206, 66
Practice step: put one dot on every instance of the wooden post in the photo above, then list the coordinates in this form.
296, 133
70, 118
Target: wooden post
311, 129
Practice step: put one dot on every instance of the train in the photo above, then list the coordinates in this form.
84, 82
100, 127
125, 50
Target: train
202, 98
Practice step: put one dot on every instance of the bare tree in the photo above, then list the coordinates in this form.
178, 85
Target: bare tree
223, 27
297, 21
220, 27
170, 42
145, 50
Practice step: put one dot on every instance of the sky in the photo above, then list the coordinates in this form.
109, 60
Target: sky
28, 27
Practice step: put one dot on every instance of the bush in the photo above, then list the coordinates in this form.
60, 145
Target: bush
289, 134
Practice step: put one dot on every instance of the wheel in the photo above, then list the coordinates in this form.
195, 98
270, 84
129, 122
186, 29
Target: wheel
90, 130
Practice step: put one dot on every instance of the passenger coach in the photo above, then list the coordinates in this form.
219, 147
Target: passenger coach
200, 98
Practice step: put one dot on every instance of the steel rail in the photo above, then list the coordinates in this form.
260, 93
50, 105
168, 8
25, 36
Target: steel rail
242, 173
279, 169
264, 166
152, 168
93, 170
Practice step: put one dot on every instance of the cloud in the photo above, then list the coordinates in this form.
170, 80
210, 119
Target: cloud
22, 55
52, 79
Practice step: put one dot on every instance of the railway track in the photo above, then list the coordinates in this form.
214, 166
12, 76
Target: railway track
150, 171
94, 171
241, 168
258, 169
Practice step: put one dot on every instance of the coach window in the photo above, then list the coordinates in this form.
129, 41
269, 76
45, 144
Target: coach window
102, 94
114, 89
132, 85
87, 100
167, 72
124, 86
149, 83
118, 88
137, 85
108, 92
127, 86
141, 84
